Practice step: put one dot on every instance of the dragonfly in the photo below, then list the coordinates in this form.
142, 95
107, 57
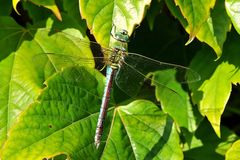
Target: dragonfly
123, 67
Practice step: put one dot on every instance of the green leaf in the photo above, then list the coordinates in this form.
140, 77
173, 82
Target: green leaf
232, 7
205, 145
49, 4
36, 13
23, 76
10, 36
5, 97
213, 30
233, 152
14, 3
101, 15
13, 96
213, 91
5, 8
153, 11
173, 97
196, 13
63, 119
72, 9
141, 131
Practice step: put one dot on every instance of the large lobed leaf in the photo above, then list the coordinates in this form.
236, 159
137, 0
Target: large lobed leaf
204, 144
50, 4
233, 152
11, 35
211, 94
63, 120
140, 130
102, 15
196, 13
22, 76
232, 8
175, 100
213, 30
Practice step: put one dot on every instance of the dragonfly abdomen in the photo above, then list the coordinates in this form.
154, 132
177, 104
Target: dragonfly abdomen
105, 101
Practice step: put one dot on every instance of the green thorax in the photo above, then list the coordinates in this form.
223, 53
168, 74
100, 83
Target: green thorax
119, 41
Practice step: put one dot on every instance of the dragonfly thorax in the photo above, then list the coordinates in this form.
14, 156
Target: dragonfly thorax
119, 51
116, 58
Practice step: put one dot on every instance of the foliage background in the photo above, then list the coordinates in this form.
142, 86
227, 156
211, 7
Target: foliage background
42, 119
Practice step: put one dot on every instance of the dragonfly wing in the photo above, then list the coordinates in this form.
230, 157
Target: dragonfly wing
49, 63
71, 40
146, 65
166, 77
129, 80
136, 69
65, 47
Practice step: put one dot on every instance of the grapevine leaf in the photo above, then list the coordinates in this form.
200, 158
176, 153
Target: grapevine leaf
213, 30
232, 7
23, 76
213, 91
102, 15
196, 13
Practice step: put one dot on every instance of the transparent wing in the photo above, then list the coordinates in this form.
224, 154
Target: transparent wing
49, 63
73, 38
136, 69
64, 48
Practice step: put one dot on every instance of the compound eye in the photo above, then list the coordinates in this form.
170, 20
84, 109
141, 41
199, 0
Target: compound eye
124, 32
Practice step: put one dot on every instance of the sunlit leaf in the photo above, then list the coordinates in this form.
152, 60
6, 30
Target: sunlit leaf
101, 15
213, 30
141, 131
196, 13
233, 152
50, 4
213, 91
206, 145
50, 95
36, 13
14, 3
63, 119
173, 97
22, 77
232, 7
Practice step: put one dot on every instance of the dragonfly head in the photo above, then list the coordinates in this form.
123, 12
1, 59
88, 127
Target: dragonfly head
121, 35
